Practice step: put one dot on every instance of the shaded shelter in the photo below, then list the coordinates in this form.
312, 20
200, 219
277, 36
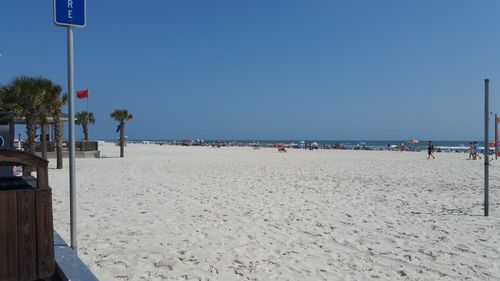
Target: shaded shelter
20, 120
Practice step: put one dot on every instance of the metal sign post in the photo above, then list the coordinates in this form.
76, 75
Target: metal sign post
71, 13
486, 146
71, 112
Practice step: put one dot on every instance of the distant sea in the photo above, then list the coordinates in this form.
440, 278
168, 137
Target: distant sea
367, 143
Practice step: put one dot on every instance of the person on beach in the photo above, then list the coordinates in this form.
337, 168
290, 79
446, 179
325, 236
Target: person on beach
430, 151
477, 151
402, 147
472, 151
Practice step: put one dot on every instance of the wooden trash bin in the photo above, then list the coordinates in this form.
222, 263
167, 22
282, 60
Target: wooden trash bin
26, 226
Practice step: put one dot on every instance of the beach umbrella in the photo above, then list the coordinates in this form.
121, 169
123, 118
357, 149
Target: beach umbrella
413, 141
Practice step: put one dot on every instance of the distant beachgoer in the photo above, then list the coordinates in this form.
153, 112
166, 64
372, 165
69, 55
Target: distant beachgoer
430, 151
472, 151
402, 147
477, 151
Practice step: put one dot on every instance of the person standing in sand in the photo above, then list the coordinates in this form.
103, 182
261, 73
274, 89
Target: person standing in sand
472, 151
477, 151
430, 150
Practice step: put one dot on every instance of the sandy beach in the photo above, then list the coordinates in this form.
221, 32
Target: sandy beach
202, 213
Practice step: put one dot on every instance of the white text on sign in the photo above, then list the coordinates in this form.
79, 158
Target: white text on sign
70, 9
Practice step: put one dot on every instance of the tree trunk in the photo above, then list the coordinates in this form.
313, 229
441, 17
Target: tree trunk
122, 138
43, 140
58, 135
11, 133
31, 132
85, 131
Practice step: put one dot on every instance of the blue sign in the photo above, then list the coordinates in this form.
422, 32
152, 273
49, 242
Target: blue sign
69, 13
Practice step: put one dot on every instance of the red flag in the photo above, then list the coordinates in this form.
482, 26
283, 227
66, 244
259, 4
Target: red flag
82, 94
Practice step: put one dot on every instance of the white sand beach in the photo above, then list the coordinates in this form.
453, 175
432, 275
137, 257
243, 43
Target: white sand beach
202, 213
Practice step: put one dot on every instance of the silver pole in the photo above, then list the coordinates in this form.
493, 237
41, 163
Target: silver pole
486, 146
71, 112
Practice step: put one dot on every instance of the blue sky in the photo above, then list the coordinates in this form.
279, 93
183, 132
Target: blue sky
265, 69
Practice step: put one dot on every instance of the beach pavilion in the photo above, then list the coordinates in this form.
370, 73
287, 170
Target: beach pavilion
50, 121
84, 149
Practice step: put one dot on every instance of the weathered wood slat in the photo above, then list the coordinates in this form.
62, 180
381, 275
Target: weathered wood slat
11, 183
44, 233
42, 178
12, 157
26, 235
22, 158
8, 236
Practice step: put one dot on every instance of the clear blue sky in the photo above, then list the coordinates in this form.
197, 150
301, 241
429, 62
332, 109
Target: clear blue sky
265, 69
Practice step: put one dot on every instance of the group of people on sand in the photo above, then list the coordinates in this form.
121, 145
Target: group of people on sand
474, 151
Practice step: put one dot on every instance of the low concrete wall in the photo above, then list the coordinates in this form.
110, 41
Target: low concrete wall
69, 267
78, 154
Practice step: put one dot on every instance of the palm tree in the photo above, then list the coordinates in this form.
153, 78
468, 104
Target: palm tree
84, 119
122, 116
23, 96
58, 130
54, 103
35, 98
51, 94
